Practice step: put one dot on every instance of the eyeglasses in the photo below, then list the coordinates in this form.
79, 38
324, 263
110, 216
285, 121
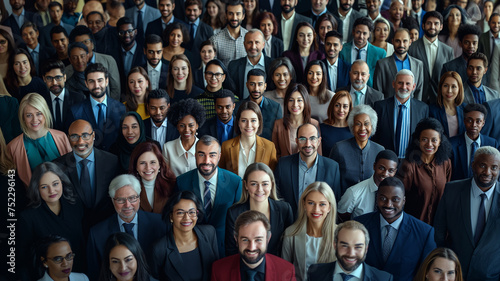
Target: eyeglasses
59, 259
126, 32
131, 199
84, 136
58, 78
86, 41
217, 75
303, 140
191, 213
3, 42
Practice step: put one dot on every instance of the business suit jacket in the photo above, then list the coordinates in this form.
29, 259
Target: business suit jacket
385, 73
459, 65
343, 79
294, 251
489, 93
199, 77
484, 45
281, 138
167, 264
454, 230
355, 14
44, 54
459, 157
162, 84
281, 218
492, 123
287, 178
150, 13
271, 111
297, 64
227, 192
171, 133
440, 114
70, 98
138, 60
373, 54
265, 152
325, 271
156, 26
203, 33
103, 138
237, 72
265, 5
298, 19
44, 37
11, 22
228, 269
150, 229
277, 48
114, 87
385, 111
210, 128
405, 258
431, 80
9, 121
494, 69
372, 95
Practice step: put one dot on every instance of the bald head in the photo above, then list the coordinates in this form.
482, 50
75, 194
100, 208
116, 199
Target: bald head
92, 6
81, 137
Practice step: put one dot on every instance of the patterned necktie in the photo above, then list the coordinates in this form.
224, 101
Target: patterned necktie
388, 241
346, 277
207, 199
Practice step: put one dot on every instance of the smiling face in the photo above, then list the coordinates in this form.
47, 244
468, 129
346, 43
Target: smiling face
50, 188
30, 37
267, 27
485, 169
33, 119
96, 83
78, 58
455, 17
81, 147
350, 249
254, 44
449, 90
429, 142
207, 158
181, 219
308, 148
212, 9
130, 129
390, 202
126, 34
175, 38
381, 31
256, 87
166, 8
22, 66
341, 109
62, 270
127, 210
224, 108
60, 42
234, 15
442, 269
148, 166
396, 11
361, 33
258, 186
122, 263
248, 123
494, 22
187, 127
207, 53
295, 103
359, 75
211, 73
138, 84
192, 13
305, 37
281, 77
333, 46
55, 86
252, 243
317, 207
56, 13
95, 23
404, 87
384, 168
372, 5
324, 27
249, 6
180, 71
401, 42
362, 128
432, 27
314, 76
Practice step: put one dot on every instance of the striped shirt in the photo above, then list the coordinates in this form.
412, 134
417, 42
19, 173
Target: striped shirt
405, 126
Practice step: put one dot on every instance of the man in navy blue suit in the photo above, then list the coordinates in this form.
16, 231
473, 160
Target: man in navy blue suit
351, 245
157, 126
390, 230
146, 227
217, 189
463, 144
337, 70
221, 126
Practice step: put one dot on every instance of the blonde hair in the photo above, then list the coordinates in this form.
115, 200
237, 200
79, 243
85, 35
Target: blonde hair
37, 101
326, 250
254, 167
6, 162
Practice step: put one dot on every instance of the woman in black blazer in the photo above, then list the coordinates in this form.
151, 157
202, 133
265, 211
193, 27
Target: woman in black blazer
259, 193
193, 260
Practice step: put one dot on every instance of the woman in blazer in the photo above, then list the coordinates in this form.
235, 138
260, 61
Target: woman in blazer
297, 112
304, 45
310, 239
193, 260
255, 148
449, 110
269, 26
259, 193
38, 143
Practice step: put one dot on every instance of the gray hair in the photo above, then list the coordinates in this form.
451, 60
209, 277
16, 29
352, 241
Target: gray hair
363, 109
353, 225
361, 62
124, 180
487, 150
255, 30
405, 72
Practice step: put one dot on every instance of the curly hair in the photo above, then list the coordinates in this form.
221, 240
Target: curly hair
184, 108
413, 152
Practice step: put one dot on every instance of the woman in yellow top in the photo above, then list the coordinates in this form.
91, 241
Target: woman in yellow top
137, 91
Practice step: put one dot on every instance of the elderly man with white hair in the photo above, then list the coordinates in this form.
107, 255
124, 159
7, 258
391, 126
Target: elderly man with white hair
146, 227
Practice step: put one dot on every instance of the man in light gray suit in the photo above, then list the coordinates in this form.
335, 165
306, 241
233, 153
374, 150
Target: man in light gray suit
432, 53
288, 22
360, 92
474, 90
386, 68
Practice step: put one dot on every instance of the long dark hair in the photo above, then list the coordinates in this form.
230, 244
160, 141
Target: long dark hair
170, 77
11, 80
33, 194
322, 94
295, 44
306, 113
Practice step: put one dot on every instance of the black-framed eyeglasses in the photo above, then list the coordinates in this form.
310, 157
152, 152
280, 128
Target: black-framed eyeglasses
84, 136
59, 259
191, 213
58, 78
217, 75
126, 32
313, 139
122, 200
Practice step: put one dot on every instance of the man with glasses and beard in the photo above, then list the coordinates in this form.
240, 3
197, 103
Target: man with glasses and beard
252, 231
351, 245
217, 189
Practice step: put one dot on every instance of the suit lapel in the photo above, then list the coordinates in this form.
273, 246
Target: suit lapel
295, 183
414, 112
87, 108
174, 257
398, 247
376, 236
465, 209
235, 152
260, 150
195, 184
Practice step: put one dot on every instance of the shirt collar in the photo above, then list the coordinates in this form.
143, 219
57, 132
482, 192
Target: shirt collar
36, 49
363, 91
303, 163
164, 124
292, 18
212, 180
143, 10
406, 104
134, 220
261, 268
469, 141
396, 224
132, 50
324, 11
94, 103
358, 272
90, 157
335, 64
397, 59
61, 95
472, 87
429, 43
230, 123
493, 36
476, 191
157, 68
346, 16
260, 62
195, 23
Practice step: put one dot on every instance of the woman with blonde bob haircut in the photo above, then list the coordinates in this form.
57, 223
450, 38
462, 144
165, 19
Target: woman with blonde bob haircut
259, 194
310, 239
443, 259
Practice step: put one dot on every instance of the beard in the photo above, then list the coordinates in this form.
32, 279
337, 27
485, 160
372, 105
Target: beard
403, 94
255, 260
345, 266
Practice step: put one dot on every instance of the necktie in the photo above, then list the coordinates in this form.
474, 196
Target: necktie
346, 277
140, 27
358, 57
358, 98
225, 133
85, 183
251, 275
128, 228
207, 199
58, 114
100, 117
34, 56
473, 148
191, 34
416, 18
398, 129
388, 241
481, 220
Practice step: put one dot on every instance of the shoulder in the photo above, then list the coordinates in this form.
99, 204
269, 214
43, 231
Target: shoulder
227, 262
58, 134
289, 159
419, 104
375, 273
277, 261
229, 175
78, 276
206, 230
367, 218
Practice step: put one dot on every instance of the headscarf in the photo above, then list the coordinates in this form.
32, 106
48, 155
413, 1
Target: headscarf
124, 148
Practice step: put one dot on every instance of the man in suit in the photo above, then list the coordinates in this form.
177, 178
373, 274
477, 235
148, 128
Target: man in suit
489, 39
386, 68
288, 21
432, 53
56, 13
221, 126
390, 230
217, 189
318, 8
90, 171
156, 66
336, 68
474, 90
361, 93
351, 245
467, 218
79, 58
252, 231
295, 172
271, 110
255, 59
199, 31
468, 36
360, 48
418, 13
39, 53
157, 26
347, 16
84, 35
59, 100
16, 20
465, 145
401, 114
157, 126
101, 111
146, 227
141, 15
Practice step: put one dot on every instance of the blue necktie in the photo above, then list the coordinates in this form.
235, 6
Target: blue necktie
481, 220
388, 241
101, 119
346, 277
399, 124
128, 228
207, 199
85, 183
473, 148
140, 27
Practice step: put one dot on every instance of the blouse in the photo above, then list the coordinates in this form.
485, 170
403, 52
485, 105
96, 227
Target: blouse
178, 159
320, 111
72, 276
141, 109
41, 150
35, 86
330, 135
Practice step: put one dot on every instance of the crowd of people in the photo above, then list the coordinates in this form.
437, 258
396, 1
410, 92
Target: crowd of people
250, 140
